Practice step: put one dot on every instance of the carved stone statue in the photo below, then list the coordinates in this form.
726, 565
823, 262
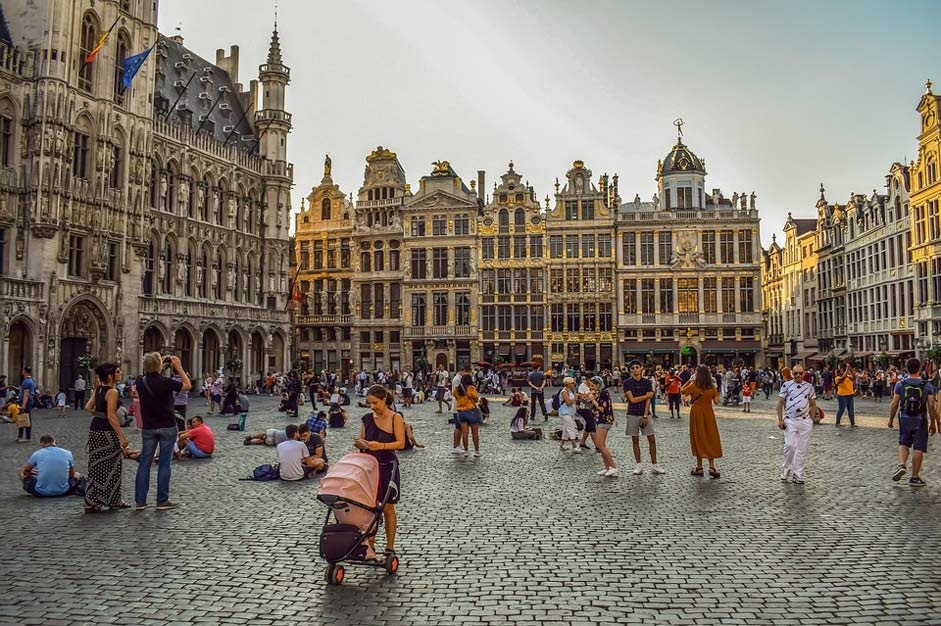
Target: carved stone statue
327, 166
214, 277
162, 268
200, 197
751, 199
163, 190
230, 279
181, 270
182, 194
245, 283
231, 208
199, 274
4, 207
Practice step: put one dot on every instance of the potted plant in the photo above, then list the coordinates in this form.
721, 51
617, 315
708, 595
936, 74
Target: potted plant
881, 360
86, 362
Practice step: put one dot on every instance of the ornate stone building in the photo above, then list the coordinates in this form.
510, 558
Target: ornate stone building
831, 278
581, 271
149, 218
689, 270
512, 253
799, 290
440, 287
378, 263
772, 313
323, 321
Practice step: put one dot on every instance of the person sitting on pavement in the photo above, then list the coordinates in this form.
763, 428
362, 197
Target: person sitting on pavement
294, 459
50, 471
410, 441
336, 416
484, 407
516, 398
519, 426
314, 443
197, 442
271, 437
318, 424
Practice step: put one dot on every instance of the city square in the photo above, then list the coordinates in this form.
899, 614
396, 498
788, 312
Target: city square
305, 207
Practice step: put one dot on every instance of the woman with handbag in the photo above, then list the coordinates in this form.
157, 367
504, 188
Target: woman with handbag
703, 430
107, 445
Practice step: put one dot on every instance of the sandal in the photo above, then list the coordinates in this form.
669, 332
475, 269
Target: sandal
132, 454
120, 505
713, 472
92, 508
696, 472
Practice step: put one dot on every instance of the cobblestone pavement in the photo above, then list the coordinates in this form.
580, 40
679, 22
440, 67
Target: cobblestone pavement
524, 535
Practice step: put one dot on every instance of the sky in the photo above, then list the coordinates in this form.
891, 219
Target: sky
778, 97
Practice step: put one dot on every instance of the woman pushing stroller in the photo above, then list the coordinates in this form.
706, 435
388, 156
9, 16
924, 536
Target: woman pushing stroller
382, 433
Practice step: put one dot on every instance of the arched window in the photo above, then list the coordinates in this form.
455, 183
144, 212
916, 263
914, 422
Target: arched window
220, 276
191, 198
519, 218
238, 277
204, 283
220, 204
205, 190
378, 264
364, 262
239, 207
170, 202
190, 279
168, 269
250, 214
153, 184
251, 280
120, 53
117, 165
504, 221
148, 277
325, 209
88, 43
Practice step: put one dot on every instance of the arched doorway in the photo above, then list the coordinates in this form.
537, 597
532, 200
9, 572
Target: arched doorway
183, 348
258, 354
441, 360
21, 351
85, 331
153, 339
233, 356
210, 351
689, 356
277, 353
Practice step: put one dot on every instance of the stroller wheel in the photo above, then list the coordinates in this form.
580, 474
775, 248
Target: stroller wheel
392, 564
335, 573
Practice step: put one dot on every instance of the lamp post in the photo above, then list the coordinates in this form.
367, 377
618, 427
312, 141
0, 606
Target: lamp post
919, 347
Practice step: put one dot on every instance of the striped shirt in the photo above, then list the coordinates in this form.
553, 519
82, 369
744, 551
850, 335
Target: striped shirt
797, 397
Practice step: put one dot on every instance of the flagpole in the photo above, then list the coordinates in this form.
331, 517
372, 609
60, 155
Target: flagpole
185, 87
211, 109
244, 114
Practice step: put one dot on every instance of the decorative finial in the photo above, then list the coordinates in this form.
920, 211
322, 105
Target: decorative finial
774, 238
678, 122
511, 165
557, 184
302, 205
547, 202
928, 86
276, 15
821, 192
327, 166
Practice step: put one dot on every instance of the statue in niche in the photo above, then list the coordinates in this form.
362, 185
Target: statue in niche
230, 279
214, 277
199, 274
181, 270
162, 268
182, 195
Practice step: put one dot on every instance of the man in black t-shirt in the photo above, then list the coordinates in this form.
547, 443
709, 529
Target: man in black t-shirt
638, 392
158, 426
537, 386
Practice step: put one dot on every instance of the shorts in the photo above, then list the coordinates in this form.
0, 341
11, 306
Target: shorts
269, 436
589, 416
634, 429
604, 425
407, 392
215, 397
913, 432
439, 394
746, 399
471, 416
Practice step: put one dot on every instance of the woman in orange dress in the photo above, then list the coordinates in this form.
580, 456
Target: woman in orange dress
703, 431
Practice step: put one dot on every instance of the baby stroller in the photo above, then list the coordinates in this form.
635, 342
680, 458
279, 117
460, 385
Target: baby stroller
733, 393
349, 491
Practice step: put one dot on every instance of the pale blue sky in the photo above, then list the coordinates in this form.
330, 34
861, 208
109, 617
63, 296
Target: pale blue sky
777, 97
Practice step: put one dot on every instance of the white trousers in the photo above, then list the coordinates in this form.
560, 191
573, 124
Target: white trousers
796, 439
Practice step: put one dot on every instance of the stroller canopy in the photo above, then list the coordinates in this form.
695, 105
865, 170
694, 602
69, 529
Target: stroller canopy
355, 477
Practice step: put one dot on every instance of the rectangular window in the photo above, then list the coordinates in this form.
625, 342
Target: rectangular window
536, 285
557, 318
6, 141
605, 317
588, 209
571, 210
365, 294
710, 295
488, 315
747, 294
395, 300
665, 239
462, 224
486, 250
688, 295
487, 281
573, 281
505, 317
709, 246
439, 225
629, 249
418, 227
519, 282
112, 273
418, 309
647, 298
646, 248
3, 251
666, 295
419, 264
462, 262
571, 246
588, 246
555, 246
503, 281
535, 246
728, 295
629, 295
605, 279
462, 308
556, 281
727, 246
76, 255
520, 321
589, 318
519, 247
439, 262
573, 317
440, 308
589, 280
503, 247
305, 259
536, 319
684, 197
80, 156
744, 246
604, 246
318, 255
380, 300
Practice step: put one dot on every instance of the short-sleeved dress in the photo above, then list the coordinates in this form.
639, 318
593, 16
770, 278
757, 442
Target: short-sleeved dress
703, 431
388, 463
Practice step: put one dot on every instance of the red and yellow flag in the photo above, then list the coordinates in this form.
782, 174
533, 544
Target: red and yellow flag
91, 55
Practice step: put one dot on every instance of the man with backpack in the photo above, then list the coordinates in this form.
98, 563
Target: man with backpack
913, 400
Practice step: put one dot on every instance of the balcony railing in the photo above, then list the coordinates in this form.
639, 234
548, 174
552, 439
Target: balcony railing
688, 214
17, 289
311, 320
689, 318
418, 332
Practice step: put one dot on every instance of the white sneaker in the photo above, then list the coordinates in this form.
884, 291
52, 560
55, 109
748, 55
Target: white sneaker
638, 469
658, 470
476, 452
611, 473
785, 476
602, 472
458, 450
464, 452
577, 450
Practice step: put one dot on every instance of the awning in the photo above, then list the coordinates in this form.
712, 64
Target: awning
816, 357
730, 345
802, 356
862, 354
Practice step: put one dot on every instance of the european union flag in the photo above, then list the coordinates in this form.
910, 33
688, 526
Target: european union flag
132, 64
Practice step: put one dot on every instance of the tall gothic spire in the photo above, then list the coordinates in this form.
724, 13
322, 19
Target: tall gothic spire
274, 49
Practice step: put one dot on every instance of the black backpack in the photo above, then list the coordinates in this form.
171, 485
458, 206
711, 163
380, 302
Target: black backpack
557, 400
914, 400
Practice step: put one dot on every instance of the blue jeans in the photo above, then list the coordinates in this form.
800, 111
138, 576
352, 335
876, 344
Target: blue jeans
166, 438
846, 403
196, 452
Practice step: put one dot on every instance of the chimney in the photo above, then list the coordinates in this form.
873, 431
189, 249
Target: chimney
481, 189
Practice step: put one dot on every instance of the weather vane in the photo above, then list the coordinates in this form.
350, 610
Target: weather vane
678, 122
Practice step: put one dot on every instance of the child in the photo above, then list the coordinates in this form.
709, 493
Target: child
747, 390
484, 407
60, 402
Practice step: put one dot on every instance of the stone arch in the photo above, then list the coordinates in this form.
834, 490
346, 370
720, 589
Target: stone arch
155, 337
184, 346
278, 343
21, 343
86, 328
235, 351
258, 365
211, 346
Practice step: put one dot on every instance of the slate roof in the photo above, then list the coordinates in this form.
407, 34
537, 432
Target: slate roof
176, 65
805, 225
4, 29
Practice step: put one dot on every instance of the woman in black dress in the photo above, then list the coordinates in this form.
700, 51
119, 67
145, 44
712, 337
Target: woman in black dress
107, 445
382, 433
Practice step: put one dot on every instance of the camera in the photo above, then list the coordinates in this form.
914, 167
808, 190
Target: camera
166, 362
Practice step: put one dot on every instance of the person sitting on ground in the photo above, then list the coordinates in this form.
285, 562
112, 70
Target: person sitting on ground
519, 426
484, 407
123, 417
197, 442
314, 443
515, 398
50, 471
11, 411
294, 459
285, 400
271, 437
318, 424
410, 441
242, 405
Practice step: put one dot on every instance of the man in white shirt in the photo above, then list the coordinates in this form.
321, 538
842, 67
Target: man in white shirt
797, 402
79, 386
294, 459
441, 384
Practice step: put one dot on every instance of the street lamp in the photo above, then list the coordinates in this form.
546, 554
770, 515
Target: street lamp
919, 346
